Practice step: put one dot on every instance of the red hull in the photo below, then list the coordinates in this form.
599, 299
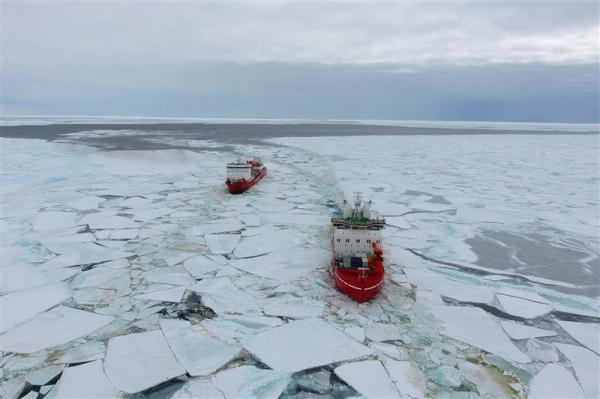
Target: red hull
239, 187
359, 284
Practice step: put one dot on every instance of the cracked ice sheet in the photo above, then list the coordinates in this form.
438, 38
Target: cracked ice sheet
251, 382
285, 265
275, 240
136, 362
18, 307
20, 276
369, 378
520, 331
46, 221
84, 381
587, 334
55, 327
477, 328
169, 295
554, 381
586, 365
196, 351
316, 343
234, 329
165, 162
84, 254
221, 295
221, 244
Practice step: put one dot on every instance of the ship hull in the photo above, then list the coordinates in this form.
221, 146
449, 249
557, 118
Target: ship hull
240, 187
361, 285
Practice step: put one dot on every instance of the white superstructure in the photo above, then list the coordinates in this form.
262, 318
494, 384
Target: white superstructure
354, 234
239, 170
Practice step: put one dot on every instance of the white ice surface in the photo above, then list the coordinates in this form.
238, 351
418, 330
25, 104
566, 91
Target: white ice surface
84, 254
18, 307
251, 382
520, 331
96, 276
554, 381
587, 334
586, 365
86, 203
276, 240
409, 380
221, 244
169, 295
19, 276
369, 378
287, 265
57, 326
522, 307
316, 343
295, 308
198, 353
136, 362
84, 381
198, 388
46, 221
475, 327
223, 296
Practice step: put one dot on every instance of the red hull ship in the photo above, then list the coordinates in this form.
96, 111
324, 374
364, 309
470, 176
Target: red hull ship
243, 175
357, 261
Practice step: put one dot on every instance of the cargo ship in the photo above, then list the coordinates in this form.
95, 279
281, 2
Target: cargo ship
241, 175
357, 261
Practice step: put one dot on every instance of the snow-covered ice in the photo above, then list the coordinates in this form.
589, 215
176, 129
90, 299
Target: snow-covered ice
148, 248
554, 381
476, 327
196, 351
84, 381
18, 307
54, 327
316, 343
587, 334
251, 382
136, 362
369, 378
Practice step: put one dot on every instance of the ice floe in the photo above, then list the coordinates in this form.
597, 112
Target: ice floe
316, 343
587, 334
221, 295
221, 244
409, 380
46, 221
523, 308
369, 378
20, 276
554, 381
84, 254
54, 327
136, 362
18, 307
84, 381
295, 308
168, 295
198, 388
586, 365
475, 327
521, 331
285, 265
251, 382
198, 353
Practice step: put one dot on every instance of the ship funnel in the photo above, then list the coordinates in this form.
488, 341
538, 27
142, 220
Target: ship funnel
366, 210
347, 210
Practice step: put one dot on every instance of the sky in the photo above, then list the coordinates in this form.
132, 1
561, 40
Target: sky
534, 61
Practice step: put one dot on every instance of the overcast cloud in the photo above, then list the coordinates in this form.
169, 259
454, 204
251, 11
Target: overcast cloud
251, 59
